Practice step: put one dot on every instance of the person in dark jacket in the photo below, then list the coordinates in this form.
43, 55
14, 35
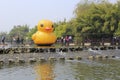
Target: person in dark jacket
3, 39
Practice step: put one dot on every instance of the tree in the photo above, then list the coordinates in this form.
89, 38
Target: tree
95, 20
31, 32
20, 31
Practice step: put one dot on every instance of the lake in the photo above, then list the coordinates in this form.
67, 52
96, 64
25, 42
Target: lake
107, 69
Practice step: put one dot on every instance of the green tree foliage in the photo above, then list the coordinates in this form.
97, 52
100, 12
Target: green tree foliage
117, 32
20, 31
31, 32
60, 28
97, 19
93, 19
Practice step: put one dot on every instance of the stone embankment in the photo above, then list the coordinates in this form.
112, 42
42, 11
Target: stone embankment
40, 54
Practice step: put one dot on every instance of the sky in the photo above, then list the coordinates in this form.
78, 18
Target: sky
21, 12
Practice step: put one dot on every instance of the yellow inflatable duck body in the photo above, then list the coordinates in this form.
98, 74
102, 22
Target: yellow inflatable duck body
44, 36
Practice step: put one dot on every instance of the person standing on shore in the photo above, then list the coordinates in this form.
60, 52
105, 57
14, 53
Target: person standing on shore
67, 40
3, 40
17, 40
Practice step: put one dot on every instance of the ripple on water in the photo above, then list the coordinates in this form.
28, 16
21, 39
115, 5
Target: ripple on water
17, 73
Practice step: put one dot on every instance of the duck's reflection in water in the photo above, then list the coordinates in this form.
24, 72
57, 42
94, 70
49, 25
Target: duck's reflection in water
44, 71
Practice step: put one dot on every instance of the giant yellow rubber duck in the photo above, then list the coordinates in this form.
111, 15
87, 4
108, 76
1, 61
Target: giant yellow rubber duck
44, 36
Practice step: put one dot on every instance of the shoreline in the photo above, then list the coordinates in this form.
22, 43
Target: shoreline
30, 55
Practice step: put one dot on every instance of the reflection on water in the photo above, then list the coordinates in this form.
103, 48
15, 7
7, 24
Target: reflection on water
82, 70
44, 71
67, 70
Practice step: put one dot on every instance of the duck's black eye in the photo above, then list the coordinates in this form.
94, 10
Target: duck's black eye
52, 26
41, 25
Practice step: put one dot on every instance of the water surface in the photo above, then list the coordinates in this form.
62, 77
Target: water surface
107, 69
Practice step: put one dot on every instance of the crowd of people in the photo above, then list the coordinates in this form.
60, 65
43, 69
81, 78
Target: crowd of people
14, 40
65, 41
17, 40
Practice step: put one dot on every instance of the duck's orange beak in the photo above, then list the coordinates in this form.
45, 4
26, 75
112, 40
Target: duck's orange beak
47, 28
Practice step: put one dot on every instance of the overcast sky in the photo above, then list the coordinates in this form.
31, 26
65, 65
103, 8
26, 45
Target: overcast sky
20, 12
